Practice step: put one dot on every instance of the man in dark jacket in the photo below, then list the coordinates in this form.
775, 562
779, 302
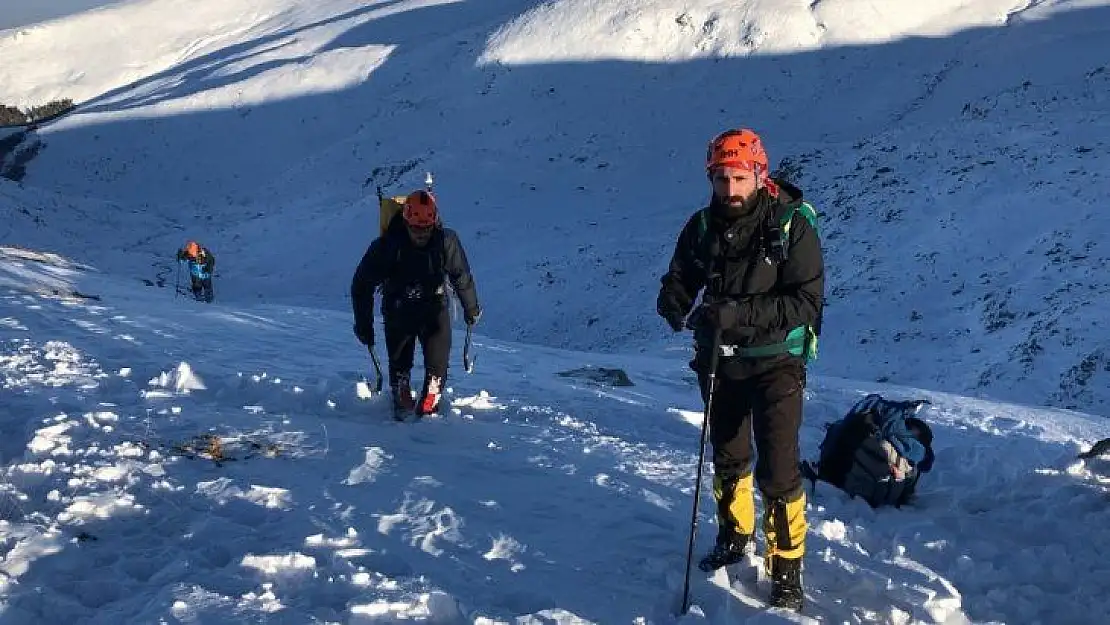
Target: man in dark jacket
410, 262
758, 258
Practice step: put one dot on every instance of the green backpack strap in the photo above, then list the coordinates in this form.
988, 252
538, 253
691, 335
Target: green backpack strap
703, 225
802, 340
807, 211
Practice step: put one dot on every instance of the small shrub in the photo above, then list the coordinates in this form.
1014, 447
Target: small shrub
12, 116
50, 109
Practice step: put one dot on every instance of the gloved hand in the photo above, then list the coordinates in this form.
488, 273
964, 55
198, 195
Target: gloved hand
365, 333
669, 311
472, 317
723, 314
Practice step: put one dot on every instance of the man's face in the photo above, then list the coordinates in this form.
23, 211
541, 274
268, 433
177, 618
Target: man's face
734, 186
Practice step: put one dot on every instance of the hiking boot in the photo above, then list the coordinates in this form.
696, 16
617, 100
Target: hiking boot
729, 549
429, 404
786, 583
402, 393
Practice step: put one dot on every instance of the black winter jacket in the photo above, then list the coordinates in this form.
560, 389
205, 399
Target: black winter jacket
773, 298
411, 277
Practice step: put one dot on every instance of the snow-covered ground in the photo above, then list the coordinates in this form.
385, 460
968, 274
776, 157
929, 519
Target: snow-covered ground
170, 461
957, 149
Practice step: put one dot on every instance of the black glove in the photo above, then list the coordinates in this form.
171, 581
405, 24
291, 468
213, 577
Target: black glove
365, 333
722, 315
669, 311
472, 317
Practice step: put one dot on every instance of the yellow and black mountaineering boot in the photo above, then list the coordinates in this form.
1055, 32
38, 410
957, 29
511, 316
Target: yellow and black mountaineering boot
735, 521
784, 522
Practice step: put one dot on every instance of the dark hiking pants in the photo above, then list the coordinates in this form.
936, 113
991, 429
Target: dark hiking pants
765, 408
431, 328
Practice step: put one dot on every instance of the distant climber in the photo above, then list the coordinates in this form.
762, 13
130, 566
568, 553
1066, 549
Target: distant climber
201, 263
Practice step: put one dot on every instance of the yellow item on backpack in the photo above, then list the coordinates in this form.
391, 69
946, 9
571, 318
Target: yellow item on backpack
387, 208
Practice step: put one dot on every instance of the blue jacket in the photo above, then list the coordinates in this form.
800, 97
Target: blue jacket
890, 417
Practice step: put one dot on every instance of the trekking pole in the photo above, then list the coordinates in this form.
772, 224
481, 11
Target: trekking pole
711, 388
377, 370
177, 281
468, 364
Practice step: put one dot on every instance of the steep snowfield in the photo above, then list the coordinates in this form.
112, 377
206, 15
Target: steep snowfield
662, 30
167, 461
86, 55
565, 138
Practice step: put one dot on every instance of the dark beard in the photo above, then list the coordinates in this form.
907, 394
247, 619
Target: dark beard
737, 205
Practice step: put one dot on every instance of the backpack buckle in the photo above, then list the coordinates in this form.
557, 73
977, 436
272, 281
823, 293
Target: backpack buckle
777, 253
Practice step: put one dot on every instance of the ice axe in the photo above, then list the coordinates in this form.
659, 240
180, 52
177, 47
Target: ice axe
369, 392
377, 371
468, 364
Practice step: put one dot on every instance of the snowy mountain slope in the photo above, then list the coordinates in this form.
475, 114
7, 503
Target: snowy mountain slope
212, 464
259, 139
98, 231
20, 13
128, 41
985, 278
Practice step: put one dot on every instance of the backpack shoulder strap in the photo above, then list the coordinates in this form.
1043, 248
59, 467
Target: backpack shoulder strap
703, 228
391, 254
701, 242
807, 211
439, 251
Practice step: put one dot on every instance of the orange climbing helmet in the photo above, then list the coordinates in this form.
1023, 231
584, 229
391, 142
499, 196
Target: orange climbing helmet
420, 210
192, 250
740, 148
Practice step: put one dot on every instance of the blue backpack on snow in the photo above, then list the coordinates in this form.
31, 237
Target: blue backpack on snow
878, 451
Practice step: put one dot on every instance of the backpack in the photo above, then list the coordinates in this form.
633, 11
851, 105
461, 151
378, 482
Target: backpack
802, 340
197, 271
878, 451
388, 207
